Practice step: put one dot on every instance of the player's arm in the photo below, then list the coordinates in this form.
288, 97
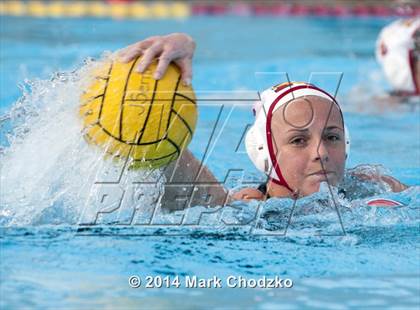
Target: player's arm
395, 185
247, 194
175, 47
190, 183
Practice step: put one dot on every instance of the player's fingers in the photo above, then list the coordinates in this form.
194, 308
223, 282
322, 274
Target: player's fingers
135, 50
148, 57
129, 55
163, 63
186, 70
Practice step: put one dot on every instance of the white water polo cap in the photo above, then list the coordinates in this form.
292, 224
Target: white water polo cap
395, 51
258, 140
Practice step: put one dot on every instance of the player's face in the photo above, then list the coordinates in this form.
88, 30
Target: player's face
308, 135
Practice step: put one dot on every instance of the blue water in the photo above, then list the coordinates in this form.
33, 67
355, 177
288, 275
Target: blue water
370, 258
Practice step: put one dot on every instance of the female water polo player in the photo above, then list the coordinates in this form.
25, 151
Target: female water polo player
298, 139
398, 52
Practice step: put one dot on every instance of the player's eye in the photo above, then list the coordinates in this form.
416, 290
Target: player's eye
333, 137
298, 141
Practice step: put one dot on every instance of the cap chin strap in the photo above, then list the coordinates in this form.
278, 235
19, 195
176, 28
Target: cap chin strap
259, 143
260, 157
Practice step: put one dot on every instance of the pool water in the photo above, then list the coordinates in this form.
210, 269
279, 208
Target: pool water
338, 256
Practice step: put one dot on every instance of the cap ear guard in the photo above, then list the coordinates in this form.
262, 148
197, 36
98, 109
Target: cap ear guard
257, 150
347, 140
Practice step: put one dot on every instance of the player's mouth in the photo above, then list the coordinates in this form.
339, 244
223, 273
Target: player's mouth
322, 175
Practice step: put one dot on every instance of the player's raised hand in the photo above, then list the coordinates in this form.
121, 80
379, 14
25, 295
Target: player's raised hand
176, 47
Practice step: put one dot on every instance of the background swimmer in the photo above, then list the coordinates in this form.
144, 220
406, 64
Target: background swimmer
398, 53
307, 156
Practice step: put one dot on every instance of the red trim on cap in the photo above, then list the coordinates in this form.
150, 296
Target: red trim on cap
411, 63
281, 183
383, 202
412, 70
273, 158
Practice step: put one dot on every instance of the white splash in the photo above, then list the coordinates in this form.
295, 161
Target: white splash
49, 174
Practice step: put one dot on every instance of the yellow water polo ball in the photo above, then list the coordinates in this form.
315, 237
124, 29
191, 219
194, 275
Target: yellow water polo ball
133, 116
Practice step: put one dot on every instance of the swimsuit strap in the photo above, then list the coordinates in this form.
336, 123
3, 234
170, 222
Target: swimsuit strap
263, 189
